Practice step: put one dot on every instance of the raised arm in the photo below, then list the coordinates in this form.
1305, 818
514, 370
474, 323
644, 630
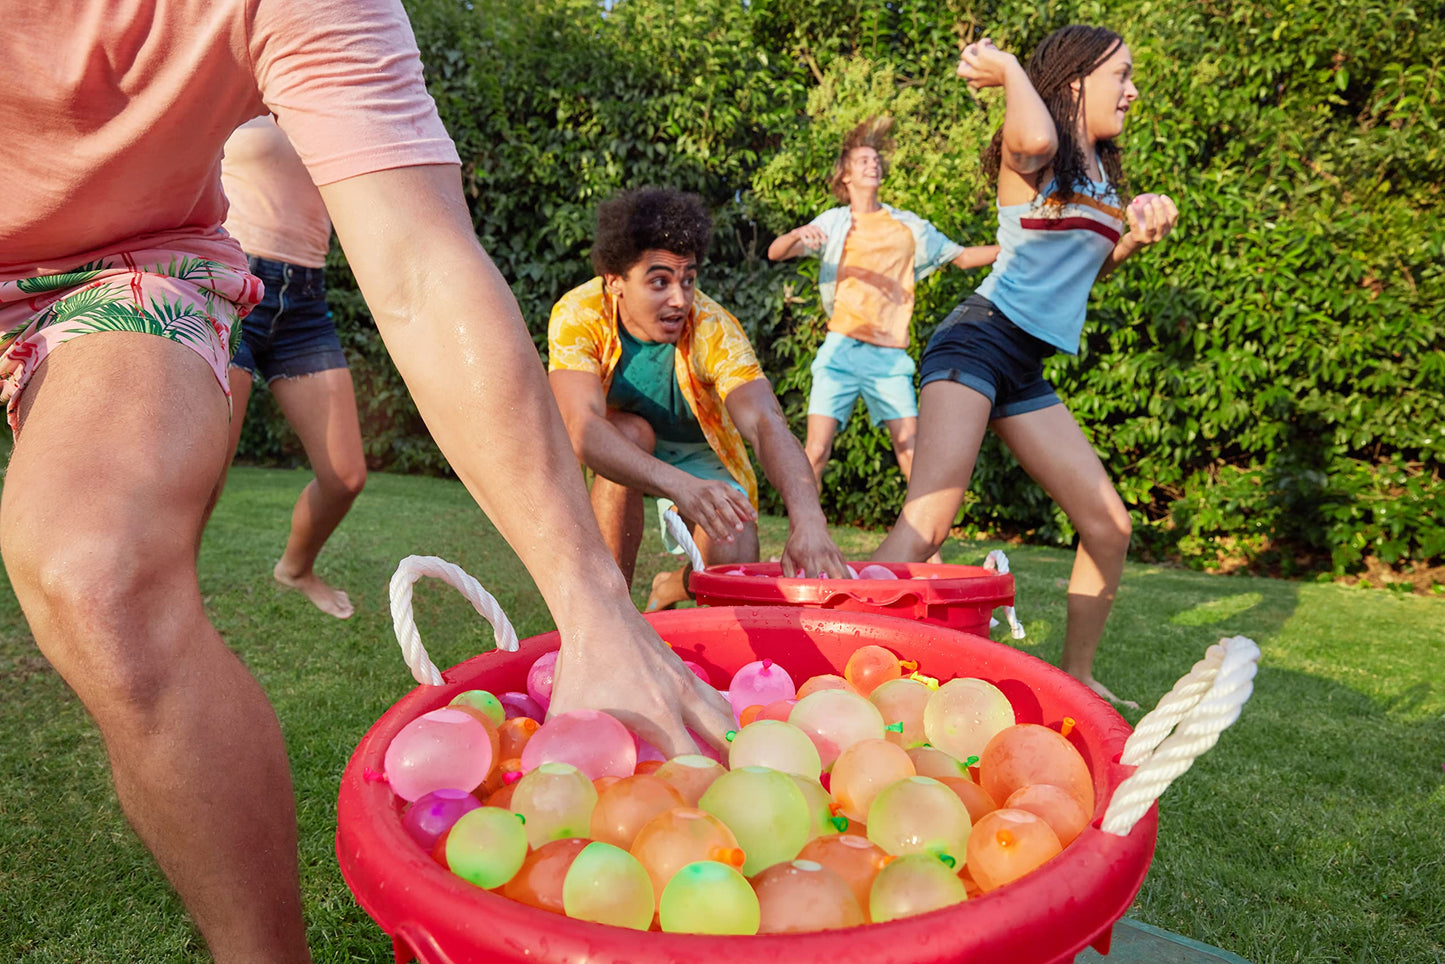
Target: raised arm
1029, 138
455, 333
716, 506
807, 239
809, 551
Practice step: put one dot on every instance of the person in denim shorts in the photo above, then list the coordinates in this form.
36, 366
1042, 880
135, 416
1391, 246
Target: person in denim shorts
1061, 226
289, 340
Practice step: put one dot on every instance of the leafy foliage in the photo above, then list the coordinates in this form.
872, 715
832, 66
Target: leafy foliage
1267, 387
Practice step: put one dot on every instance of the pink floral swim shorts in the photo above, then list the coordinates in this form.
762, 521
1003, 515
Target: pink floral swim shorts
191, 300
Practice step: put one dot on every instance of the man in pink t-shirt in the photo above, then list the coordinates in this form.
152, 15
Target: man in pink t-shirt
289, 340
119, 297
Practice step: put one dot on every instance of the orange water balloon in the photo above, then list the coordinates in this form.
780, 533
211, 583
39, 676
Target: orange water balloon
826, 681
851, 856
902, 701
624, 807
1006, 844
863, 770
1057, 807
502, 797
870, 667
803, 895
976, 799
539, 882
675, 838
932, 762
1027, 754
514, 734
690, 774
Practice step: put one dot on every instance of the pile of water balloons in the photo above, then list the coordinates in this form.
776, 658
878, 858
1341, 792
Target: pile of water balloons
858, 798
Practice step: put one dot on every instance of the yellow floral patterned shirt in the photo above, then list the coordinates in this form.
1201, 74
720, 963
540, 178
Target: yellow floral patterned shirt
713, 357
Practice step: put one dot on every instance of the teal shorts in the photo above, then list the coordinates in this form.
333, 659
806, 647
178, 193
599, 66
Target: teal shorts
698, 460
846, 368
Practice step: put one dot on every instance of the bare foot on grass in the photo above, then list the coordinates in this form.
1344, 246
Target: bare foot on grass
331, 601
1104, 691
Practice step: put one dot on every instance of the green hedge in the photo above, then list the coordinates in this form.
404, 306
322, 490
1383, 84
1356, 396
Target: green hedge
1268, 387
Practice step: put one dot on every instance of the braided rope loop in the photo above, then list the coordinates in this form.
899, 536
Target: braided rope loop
998, 562
408, 571
678, 530
1200, 706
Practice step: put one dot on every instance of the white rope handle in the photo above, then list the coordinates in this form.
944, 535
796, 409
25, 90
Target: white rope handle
408, 571
1203, 704
998, 562
678, 530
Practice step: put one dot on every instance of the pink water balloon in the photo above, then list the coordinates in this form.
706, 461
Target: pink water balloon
759, 683
434, 813
516, 704
698, 671
540, 677
876, 571
445, 748
592, 741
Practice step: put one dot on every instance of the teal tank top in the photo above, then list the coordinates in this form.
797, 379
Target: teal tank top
645, 383
1050, 253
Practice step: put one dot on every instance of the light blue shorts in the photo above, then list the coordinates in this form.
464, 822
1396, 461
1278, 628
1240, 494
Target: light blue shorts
698, 460
846, 368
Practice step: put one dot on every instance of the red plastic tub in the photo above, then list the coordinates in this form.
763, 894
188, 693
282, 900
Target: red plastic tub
959, 597
1044, 918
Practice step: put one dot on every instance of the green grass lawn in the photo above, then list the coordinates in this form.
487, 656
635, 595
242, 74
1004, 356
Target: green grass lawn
1314, 831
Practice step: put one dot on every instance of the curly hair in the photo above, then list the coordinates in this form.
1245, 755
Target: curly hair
646, 219
1068, 54
874, 133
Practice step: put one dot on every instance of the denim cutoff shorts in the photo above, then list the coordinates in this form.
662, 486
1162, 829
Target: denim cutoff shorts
978, 346
290, 333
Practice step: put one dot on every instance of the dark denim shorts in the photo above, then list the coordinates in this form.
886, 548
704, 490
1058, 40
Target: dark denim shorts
977, 346
290, 333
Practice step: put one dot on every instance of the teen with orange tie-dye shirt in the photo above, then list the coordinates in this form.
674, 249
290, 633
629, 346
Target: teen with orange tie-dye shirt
659, 388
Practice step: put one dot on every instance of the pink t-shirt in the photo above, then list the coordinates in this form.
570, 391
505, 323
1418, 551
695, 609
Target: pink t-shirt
276, 212
115, 113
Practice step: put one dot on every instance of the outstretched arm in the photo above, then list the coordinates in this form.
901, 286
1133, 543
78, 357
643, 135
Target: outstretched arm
456, 335
719, 508
809, 550
976, 256
807, 239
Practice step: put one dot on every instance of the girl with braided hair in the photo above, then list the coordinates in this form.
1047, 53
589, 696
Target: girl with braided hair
1061, 225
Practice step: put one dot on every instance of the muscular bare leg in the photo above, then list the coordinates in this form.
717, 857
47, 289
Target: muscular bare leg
101, 515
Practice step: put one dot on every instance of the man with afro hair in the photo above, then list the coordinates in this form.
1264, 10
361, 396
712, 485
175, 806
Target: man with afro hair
660, 390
